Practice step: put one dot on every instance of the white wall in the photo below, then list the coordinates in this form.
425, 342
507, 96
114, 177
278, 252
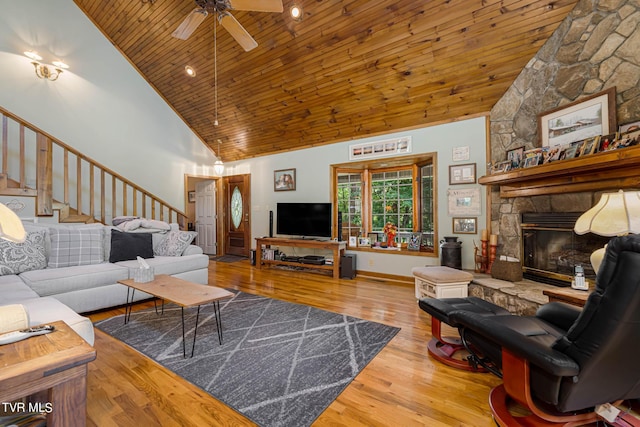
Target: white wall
313, 185
101, 106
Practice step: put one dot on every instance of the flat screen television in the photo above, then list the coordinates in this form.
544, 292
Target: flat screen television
304, 219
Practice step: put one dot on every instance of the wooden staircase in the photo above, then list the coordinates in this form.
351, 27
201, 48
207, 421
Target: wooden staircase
34, 164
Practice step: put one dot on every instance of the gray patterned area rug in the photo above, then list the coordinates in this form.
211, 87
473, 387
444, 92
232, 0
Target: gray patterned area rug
280, 364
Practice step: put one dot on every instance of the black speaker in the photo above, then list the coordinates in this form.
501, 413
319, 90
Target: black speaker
339, 231
348, 266
270, 223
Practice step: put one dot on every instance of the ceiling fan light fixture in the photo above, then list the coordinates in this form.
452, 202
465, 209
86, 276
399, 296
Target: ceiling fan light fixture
190, 71
296, 12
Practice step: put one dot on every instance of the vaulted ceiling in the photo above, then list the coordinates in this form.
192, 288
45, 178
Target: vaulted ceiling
349, 69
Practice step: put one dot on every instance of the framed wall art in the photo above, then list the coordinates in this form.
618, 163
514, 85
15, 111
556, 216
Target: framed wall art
464, 202
191, 196
284, 180
462, 174
588, 117
465, 225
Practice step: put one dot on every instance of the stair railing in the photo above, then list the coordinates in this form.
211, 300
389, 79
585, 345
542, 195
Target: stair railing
37, 165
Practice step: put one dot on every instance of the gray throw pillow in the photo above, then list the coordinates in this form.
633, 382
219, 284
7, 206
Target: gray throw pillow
71, 247
175, 243
16, 258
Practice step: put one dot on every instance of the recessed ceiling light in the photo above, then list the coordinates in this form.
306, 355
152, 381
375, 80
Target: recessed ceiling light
190, 71
296, 12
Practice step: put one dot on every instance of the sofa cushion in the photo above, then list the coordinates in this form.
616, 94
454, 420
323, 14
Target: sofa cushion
29, 255
175, 243
75, 246
171, 265
46, 227
128, 246
52, 281
13, 289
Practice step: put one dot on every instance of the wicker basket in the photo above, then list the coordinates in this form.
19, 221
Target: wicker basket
506, 270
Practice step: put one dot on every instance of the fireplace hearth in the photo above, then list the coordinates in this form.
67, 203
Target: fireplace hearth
551, 249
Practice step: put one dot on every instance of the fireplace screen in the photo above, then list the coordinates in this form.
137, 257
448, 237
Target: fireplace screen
551, 250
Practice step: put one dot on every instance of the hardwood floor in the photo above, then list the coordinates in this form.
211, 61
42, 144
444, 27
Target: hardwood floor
402, 386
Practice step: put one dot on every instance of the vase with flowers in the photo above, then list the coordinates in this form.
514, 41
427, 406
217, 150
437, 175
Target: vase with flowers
390, 230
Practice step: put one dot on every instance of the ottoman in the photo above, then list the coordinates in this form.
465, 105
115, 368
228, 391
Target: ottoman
443, 348
441, 282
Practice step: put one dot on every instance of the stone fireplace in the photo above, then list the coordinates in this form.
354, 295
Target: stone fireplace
595, 48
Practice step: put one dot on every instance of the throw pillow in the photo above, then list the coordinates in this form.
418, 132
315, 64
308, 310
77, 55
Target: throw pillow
75, 246
128, 246
16, 258
175, 243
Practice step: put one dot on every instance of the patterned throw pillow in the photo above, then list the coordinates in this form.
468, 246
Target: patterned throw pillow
175, 243
71, 247
16, 258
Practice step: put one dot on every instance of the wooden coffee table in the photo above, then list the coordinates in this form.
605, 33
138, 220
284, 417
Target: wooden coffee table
182, 293
56, 362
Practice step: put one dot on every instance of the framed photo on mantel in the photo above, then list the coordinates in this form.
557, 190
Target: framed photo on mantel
585, 118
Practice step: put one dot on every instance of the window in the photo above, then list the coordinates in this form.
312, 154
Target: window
349, 191
392, 200
367, 196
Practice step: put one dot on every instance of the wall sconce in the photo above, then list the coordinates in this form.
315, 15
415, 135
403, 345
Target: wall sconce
45, 71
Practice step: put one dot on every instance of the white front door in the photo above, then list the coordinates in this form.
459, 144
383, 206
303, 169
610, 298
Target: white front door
206, 216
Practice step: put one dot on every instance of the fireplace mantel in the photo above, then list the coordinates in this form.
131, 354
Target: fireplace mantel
609, 170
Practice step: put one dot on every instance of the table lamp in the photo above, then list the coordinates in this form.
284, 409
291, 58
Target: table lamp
11, 227
616, 214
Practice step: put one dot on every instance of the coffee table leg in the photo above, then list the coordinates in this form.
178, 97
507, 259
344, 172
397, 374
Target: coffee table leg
155, 305
195, 333
129, 305
218, 315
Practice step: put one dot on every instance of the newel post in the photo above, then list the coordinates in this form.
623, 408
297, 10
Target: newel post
44, 174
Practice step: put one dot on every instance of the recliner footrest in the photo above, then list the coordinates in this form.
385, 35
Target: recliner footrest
443, 348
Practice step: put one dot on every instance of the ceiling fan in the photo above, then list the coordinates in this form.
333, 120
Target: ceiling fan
221, 9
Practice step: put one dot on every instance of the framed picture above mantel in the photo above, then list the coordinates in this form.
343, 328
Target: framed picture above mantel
585, 118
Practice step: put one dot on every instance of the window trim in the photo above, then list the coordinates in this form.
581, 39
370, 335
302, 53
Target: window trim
366, 168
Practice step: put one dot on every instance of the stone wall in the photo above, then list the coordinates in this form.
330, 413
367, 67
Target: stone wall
596, 47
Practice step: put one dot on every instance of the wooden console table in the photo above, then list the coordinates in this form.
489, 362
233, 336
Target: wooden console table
337, 248
56, 362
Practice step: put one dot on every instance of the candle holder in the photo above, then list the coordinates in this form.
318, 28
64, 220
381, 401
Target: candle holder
485, 258
492, 256
481, 258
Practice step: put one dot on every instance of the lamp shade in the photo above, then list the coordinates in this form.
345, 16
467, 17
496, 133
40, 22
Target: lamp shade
11, 227
614, 215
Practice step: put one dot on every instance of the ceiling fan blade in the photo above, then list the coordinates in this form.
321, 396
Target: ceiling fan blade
237, 31
190, 23
257, 5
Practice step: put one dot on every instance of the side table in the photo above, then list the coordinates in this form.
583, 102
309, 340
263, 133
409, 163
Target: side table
56, 362
568, 295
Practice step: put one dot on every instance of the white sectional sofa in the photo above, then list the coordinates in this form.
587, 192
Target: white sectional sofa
64, 270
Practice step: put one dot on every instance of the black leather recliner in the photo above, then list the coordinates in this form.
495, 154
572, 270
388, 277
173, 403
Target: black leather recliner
563, 362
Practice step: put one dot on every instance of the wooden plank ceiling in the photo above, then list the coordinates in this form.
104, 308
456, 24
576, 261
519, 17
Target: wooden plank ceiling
349, 69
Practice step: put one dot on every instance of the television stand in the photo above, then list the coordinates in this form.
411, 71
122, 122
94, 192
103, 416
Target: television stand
337, 248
